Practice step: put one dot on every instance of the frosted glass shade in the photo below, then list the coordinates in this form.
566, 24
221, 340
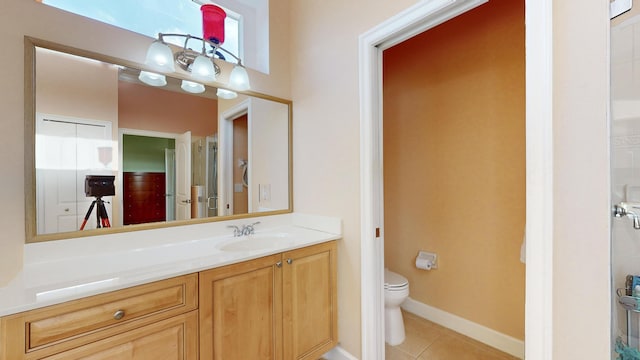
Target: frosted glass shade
239, 79
226, 94
203, 69
160, 57
192, 87
152, 79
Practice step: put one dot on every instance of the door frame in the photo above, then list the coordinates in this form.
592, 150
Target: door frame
225, 155
121, 133
539, 165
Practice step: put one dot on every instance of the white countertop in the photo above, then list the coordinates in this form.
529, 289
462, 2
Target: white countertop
59, 271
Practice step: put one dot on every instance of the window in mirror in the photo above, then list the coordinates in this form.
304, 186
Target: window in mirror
152, 17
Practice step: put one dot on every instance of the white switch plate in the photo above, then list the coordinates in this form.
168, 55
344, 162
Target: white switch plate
265, 192
237, 188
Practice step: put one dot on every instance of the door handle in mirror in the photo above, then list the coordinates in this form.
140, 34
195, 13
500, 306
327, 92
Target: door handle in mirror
215, 203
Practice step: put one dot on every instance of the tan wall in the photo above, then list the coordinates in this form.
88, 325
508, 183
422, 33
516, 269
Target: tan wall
148, 108
454, 164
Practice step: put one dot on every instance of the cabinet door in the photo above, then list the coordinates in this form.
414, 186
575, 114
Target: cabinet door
241, 311
175, 338
309, 301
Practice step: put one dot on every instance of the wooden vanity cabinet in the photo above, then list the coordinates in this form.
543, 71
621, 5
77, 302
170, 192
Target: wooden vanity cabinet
277, 307
282, 306
310, 303
134, 323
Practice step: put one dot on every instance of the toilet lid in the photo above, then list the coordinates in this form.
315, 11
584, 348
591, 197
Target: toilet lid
394, 281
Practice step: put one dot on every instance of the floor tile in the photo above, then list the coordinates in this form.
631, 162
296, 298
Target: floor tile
420, 334
393, 353
426, 340
454, 347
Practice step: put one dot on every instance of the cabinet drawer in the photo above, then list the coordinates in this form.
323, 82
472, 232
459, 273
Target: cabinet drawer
76, 320
175, 338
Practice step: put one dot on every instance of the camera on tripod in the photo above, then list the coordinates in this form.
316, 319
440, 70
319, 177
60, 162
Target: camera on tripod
98, 186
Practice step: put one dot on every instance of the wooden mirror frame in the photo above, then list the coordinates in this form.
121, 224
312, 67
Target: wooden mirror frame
31, 235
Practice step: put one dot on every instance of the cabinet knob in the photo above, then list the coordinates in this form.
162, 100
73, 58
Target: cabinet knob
279, 264
118, 314
289, 261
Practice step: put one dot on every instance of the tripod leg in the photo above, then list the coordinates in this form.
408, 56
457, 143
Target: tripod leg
103, 215
86, 217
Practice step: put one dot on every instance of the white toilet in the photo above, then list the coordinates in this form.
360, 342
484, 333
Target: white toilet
396, 290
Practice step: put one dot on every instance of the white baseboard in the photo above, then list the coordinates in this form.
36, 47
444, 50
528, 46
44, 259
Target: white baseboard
338, 353
475, 331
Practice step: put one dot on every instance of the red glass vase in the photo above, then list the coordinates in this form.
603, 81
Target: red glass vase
213, 23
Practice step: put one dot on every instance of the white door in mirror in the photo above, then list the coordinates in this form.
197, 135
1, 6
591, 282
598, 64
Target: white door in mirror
183, 176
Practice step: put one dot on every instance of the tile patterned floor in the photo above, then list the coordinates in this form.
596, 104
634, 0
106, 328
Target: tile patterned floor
428, 341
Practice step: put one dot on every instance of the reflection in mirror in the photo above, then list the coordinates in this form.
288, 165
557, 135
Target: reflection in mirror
173, 156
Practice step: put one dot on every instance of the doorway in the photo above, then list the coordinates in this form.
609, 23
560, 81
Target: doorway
235, 139
407, 24
160, 155
454, 172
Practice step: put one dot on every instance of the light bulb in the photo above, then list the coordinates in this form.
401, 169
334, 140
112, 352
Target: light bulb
203, 69
152, 79
192, 87
226, 94
160, 57
239, 79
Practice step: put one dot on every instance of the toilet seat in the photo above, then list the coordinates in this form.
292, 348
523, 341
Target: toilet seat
394, 281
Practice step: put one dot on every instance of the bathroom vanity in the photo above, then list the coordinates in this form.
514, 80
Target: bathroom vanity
267, 296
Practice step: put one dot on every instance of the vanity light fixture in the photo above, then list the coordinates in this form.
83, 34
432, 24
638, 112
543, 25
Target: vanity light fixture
226, 94
153, 79
200, 64
192, 87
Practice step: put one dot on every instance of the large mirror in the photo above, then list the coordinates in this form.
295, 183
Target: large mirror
107, 153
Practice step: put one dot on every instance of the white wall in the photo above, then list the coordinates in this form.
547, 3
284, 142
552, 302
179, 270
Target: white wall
269, 154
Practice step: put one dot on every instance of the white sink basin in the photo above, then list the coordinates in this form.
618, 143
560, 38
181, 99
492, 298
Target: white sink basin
258, 242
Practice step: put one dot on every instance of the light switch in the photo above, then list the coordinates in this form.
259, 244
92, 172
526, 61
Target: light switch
265, 192
238, 188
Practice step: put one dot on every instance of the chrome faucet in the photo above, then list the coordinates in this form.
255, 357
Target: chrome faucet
236, 230
249, 229
244, 230
621, 210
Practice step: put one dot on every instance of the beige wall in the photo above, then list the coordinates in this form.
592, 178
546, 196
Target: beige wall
155, 109
326, 129
454, 164
581, 207
69, 86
